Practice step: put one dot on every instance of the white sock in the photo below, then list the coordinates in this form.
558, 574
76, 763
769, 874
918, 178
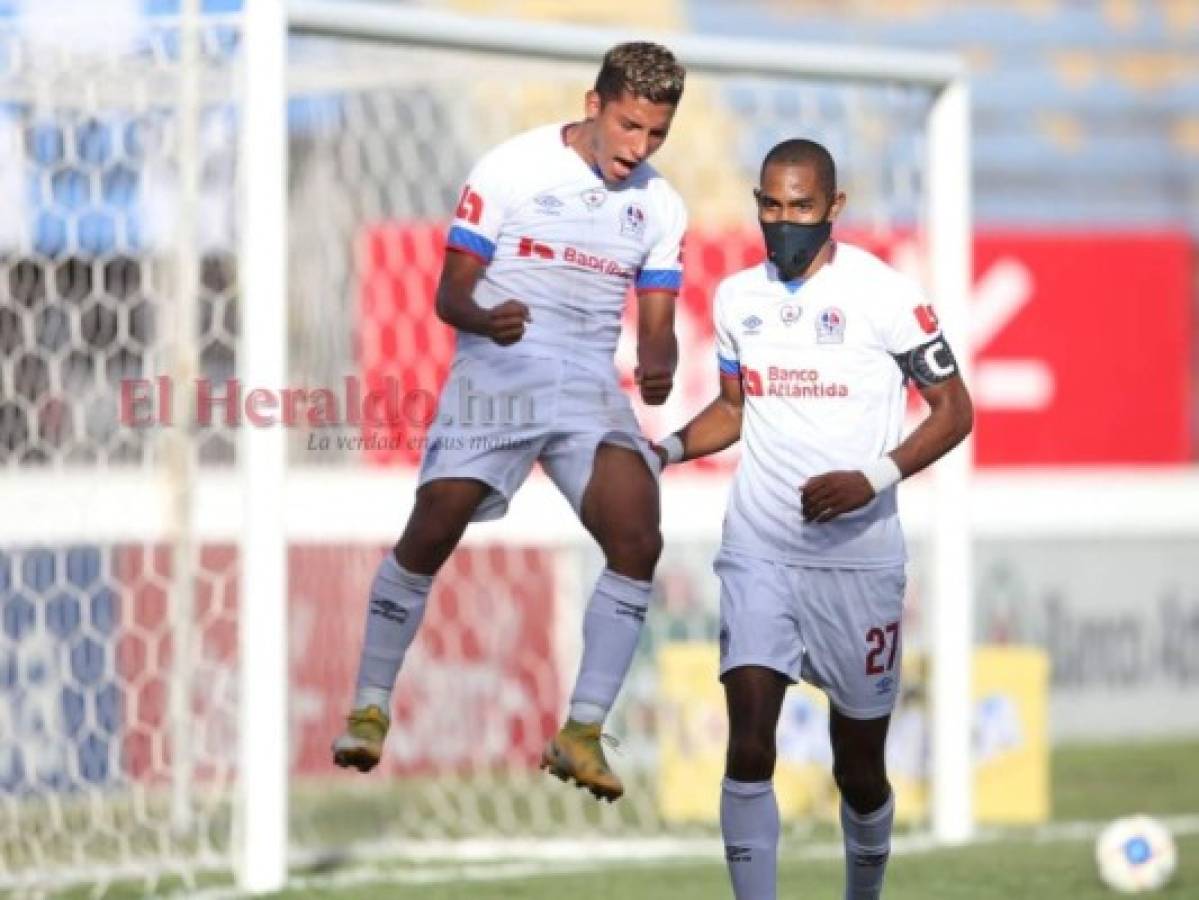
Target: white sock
749, 824
611, 627
867, 846
397, 605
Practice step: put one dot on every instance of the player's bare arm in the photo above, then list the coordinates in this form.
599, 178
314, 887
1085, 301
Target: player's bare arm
716, 427
950, 419
456, 306
657, 346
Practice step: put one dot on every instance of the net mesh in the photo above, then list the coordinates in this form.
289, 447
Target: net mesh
118, 643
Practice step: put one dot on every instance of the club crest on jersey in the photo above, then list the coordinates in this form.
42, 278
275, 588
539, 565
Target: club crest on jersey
830, 326
548, 204
593, 198
632, 220
751, 324
789, 313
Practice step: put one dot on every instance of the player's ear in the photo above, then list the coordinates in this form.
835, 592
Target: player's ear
838, 205
592, 103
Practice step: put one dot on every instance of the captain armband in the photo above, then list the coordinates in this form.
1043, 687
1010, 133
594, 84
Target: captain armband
928, 364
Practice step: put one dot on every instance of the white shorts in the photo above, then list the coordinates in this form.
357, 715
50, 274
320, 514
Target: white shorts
838, 629
498, 415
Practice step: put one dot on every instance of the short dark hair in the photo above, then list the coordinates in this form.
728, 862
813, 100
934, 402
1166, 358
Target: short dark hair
647, 71
802, 152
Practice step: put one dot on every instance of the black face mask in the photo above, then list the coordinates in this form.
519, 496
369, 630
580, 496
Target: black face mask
792, 246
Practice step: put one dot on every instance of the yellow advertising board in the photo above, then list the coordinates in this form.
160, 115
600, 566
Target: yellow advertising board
1010, 739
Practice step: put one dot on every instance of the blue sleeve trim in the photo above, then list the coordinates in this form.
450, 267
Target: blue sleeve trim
659, 280
728, 366
476, 244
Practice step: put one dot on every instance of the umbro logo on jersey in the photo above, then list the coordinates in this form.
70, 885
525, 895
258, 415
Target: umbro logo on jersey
830, 326
884, 685
593, 198
548, 204
789, 313
752, 325
632, 220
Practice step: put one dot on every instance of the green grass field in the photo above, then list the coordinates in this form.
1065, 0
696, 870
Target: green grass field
1091, 784
1015, 870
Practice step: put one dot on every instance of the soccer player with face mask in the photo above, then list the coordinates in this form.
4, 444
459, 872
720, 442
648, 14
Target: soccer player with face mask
552, 229
815, 346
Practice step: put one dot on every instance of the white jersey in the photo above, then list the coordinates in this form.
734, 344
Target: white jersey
823, 392
569, 246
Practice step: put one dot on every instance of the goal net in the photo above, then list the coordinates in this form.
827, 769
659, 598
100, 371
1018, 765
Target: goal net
122, 403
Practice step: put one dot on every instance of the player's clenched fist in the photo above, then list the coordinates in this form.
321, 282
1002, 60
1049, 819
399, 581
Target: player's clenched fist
655, 385
506, 322
833, 494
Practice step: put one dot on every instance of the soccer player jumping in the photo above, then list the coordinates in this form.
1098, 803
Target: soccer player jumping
552, 228
814, 348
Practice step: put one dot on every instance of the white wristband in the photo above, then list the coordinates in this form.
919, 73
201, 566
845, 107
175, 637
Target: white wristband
882, 474
673, 446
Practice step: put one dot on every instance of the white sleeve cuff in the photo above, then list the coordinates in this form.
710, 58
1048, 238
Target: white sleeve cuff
882, 474
673, 446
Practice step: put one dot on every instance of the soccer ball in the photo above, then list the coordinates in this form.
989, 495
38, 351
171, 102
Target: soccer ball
1135, 854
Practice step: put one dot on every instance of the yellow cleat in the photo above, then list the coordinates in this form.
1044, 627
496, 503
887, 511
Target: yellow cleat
361, 746
576, 753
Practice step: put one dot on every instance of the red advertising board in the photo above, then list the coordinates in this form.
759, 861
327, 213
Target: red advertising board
1083, 348
1081, 342
479, 689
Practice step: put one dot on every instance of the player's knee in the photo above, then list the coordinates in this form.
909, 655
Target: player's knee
863, 784
750, 758
423, 552
635, 550
430, 537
